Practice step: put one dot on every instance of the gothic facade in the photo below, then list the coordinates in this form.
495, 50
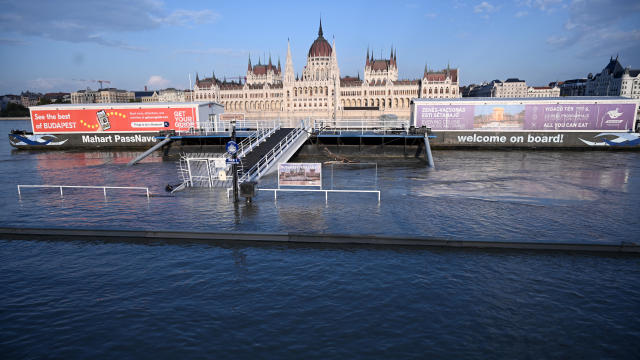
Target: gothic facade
268, 91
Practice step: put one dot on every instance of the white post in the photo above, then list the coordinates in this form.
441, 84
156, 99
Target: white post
209, 173
19, 195
61, 192
147, 193
428, 150
189, 168
104, 190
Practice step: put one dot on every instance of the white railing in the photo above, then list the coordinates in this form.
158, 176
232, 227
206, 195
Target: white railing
326, 192
362, 126
224, 127
193, 174
255, 138
264, 164
104, 188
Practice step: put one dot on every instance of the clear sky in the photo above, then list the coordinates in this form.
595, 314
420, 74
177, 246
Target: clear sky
48, 46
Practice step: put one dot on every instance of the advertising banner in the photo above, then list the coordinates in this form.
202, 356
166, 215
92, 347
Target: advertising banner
232, 116
508, 117
112, 120
300, 174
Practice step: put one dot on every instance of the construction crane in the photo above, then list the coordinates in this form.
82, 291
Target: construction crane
103, 81
98, 81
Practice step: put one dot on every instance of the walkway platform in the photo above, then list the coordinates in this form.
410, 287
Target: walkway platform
216, 238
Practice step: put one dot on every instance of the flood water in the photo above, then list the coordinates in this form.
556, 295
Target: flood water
91, 299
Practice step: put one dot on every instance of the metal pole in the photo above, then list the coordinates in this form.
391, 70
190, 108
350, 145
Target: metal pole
427, 149
61, 192
234, 167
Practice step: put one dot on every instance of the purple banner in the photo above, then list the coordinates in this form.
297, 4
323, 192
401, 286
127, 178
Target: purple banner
579, 117
445, 117
508, 117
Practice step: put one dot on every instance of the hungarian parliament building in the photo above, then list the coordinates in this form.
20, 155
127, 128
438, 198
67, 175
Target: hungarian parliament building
321, 92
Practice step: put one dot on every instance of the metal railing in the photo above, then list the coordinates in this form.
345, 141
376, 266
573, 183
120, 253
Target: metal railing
265, 163
193, 174
375, 126
104, 188
254, 139
325, 191
224, 127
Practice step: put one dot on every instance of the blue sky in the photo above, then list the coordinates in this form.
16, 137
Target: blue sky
48, 46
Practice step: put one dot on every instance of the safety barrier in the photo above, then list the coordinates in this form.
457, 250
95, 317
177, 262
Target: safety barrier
104, 188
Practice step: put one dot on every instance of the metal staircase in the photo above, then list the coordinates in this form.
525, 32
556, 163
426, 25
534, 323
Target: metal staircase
279, 150
259, 154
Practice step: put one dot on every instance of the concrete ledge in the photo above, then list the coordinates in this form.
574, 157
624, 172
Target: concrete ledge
293, 238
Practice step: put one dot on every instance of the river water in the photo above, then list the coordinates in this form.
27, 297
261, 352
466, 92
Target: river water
91, 299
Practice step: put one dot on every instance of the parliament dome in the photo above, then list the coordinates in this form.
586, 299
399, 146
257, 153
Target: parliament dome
320, 47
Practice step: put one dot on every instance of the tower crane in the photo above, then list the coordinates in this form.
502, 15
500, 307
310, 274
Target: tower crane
98, 81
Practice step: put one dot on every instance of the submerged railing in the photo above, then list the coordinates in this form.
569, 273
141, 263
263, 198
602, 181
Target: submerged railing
104, 188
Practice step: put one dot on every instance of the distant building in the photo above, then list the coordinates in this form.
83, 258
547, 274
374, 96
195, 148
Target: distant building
272, 91
110, 95
139, 96
510, 88
83, 97
614, 80
543, 91
28, 98
482, 90
171, 95
58, 97
167, 95
9, 99
573, 87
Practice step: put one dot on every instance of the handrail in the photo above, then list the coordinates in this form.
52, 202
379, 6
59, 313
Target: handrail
259, 135
362, 125
265, 161
104, 188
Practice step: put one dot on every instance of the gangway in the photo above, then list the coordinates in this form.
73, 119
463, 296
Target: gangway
155, 147
266, 161
258, 156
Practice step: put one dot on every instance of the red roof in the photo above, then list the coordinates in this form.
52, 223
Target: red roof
320, 47
263, 69
380, 65
442, 75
